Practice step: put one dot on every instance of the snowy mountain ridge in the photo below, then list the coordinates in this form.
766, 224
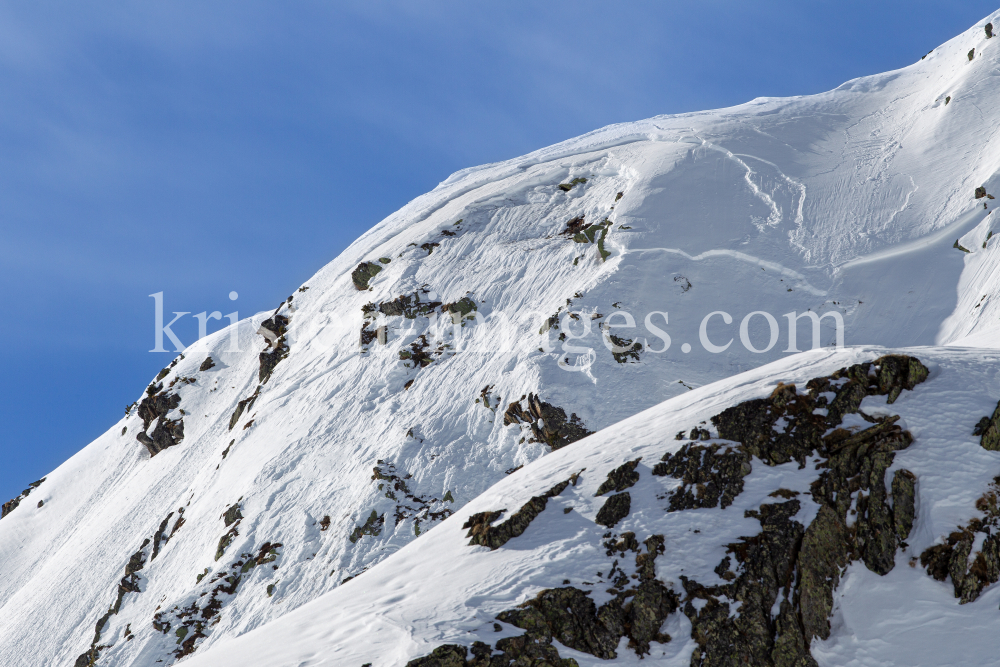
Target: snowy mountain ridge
448, 347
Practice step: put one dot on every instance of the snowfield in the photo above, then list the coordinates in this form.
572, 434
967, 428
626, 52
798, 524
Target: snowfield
569, 310
439, 590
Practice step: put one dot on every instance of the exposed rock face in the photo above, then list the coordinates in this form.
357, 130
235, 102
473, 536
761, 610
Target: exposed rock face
242, 406
855, 463
621, 478
494, 537
128, 584
615, 509
951, 559
711, 474
274, 330
787, 567
767, 569
373, 526
363, 274
9, 506
569, 616
207, 364
548, 422
595, 233
624, 349
408, 504
989, 429
154, 407
194, 621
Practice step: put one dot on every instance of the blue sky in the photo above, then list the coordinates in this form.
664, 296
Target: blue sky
197, 148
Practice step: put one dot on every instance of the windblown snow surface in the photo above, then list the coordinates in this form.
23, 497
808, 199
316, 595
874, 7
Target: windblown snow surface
315, 463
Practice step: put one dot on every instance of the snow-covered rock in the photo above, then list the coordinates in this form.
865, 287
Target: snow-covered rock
511, 312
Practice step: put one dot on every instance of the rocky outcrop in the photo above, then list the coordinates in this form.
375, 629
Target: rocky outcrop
594, 233
710, 475
615, 509
192, 623
273, 329
778, 585
548, 422
569, 615
484, 534
951, 559
767, 566
422, 509
989, 430
621, 478
130, 583
363, 274
785, 427
154, 407
9, 506
241, 407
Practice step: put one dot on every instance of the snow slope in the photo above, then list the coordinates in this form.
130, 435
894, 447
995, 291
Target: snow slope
849, 201
440, 590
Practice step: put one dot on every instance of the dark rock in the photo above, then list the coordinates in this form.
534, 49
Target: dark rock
768, 564
990, 431
159, 536
989, 30
972, 54
791, 648
569, 616
904, 491
556, 430
9, 506
232, 515
88, 659
623, 349
951, 559
448, 655
373, 527
575, 226
207, 364
155, 406
409, 306
269, 359
897, 372
225, 541
711, 474
621, 478
494, 537
243, 405
615, 509
367, 335
408, 504
824, 553
167, 433
363, 274
460, 309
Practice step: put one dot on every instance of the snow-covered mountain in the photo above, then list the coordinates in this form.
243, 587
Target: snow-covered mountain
515, 310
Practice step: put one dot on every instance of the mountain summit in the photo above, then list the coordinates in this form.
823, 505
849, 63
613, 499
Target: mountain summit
551, 413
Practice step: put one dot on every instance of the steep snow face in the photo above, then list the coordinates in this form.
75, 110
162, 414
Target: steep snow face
385, 399
443, 590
